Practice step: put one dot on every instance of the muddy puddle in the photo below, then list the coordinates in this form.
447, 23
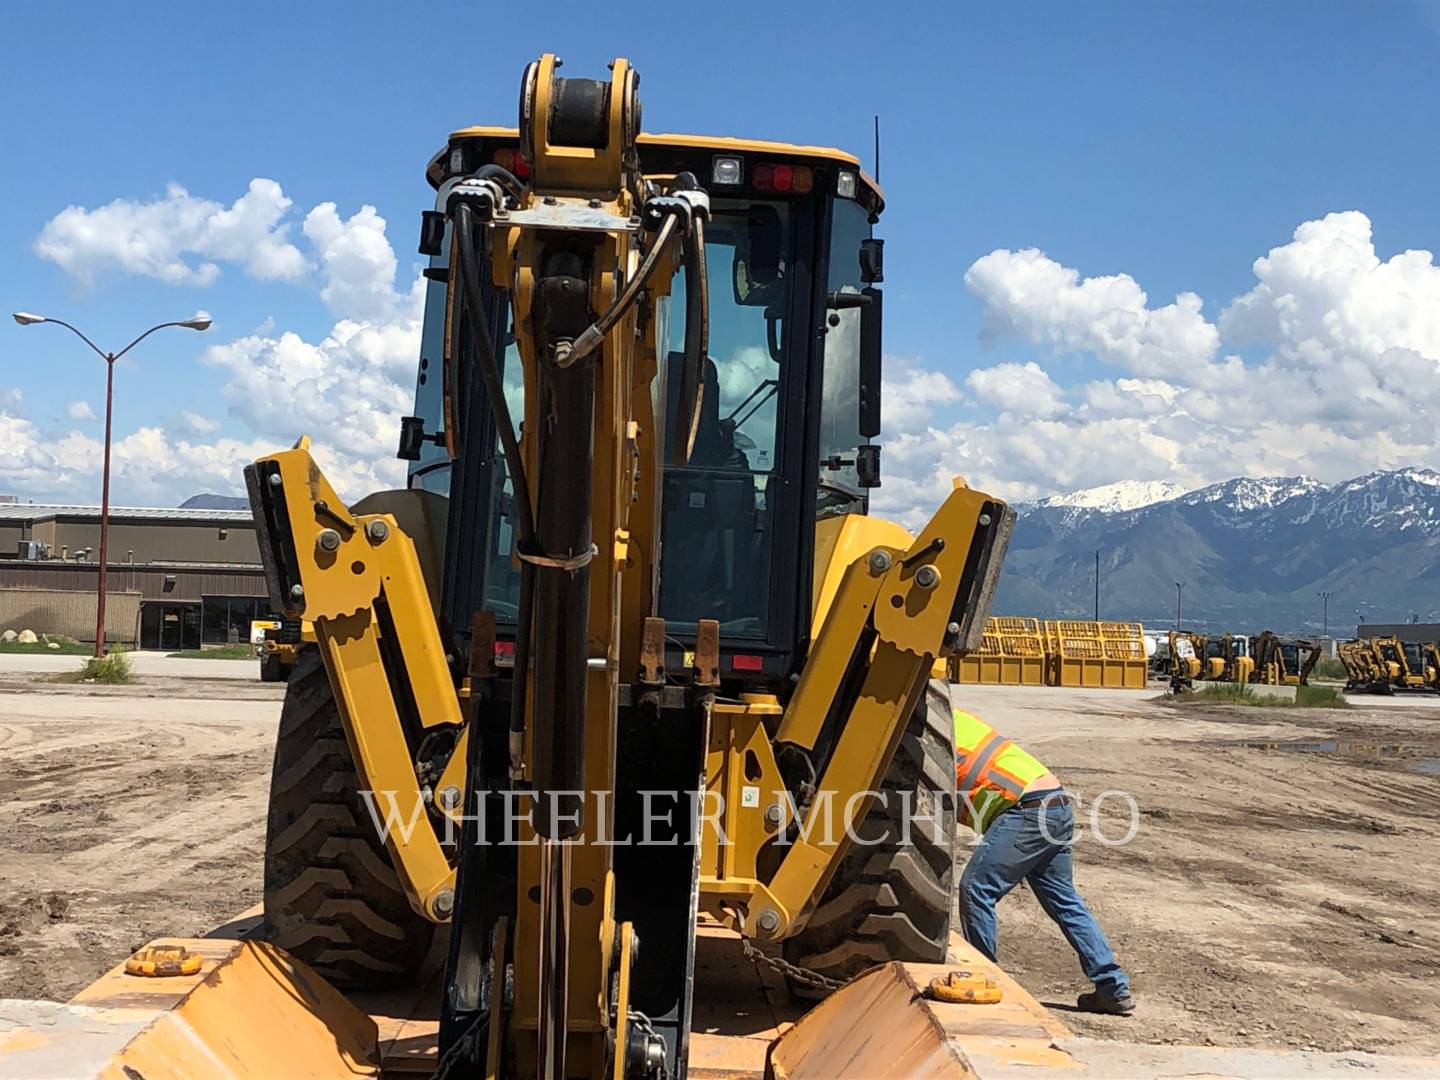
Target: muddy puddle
1419, 759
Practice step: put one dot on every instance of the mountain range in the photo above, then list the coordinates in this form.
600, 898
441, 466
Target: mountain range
1252, 553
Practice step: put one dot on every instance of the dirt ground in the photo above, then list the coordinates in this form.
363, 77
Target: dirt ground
1268, 898
129, 813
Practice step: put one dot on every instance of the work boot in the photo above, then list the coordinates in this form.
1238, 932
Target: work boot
1110, 1004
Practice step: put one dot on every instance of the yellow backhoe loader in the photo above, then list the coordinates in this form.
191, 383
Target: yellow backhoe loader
1185, 663
628, 652
1226, 657
279, 648
626, 691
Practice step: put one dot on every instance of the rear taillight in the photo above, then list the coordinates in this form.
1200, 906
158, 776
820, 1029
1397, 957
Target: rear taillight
512, 161
799, 179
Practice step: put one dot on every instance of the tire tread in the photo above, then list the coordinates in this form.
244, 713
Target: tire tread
332, 897
894, 901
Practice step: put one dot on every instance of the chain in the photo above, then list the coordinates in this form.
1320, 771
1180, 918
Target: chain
642, 1022
803, 976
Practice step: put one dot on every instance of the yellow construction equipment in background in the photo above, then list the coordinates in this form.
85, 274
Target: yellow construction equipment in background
1026, 652
1223, 657
1382, 665
1283, 661
279, 646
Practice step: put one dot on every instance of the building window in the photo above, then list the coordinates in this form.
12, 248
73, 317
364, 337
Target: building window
225, 620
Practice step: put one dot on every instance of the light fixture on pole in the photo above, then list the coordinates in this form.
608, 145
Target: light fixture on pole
1097, 585
25, 318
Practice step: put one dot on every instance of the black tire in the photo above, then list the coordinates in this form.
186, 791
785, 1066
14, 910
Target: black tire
893, 901
271, 669
332, 897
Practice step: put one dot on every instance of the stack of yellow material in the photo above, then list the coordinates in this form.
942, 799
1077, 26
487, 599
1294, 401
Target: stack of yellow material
1095, 654
1012, 653
1059, 652
1125, 642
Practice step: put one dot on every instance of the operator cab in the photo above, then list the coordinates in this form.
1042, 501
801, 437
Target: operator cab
790, 407
1414, 656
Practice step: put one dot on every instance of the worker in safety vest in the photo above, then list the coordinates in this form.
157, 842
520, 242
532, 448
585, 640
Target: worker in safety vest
1027, 825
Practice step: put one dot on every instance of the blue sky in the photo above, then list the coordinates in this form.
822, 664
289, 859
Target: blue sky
1173, 143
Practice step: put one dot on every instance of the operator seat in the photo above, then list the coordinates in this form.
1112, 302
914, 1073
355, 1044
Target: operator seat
707, 565
714, 446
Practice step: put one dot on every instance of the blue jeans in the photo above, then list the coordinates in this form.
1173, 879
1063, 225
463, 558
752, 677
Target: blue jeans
1016, 847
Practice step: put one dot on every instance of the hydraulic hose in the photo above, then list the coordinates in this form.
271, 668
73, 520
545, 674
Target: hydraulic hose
514, 463
508, 180
697, 342
490, 368
590, 340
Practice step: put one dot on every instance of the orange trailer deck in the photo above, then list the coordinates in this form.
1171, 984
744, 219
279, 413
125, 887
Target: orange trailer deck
251, 1011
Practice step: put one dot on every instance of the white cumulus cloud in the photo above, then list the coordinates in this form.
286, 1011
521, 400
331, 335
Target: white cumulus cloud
1019, 389
357, 261
1031, 296
1345, 376
177, 238
346, 389
910, 395
195, 424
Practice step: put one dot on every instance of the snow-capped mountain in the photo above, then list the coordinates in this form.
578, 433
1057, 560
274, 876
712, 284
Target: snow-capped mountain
1245, 494
1121, 495
1252, 552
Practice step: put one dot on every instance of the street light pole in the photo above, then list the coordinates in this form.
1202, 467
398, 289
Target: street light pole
24, 318
104, 508
1325, 612
1179, 591
1097, 585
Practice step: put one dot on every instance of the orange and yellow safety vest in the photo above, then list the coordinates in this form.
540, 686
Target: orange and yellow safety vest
991, 772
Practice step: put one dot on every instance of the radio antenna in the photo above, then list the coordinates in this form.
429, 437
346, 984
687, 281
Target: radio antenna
875, 162
877, 148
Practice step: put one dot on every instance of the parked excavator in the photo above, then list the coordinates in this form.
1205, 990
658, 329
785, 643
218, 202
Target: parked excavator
634, 557
1417, 670
1283, 661
1383, 665
1363, 669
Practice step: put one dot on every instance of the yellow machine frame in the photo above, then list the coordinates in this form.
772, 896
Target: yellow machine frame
358, 578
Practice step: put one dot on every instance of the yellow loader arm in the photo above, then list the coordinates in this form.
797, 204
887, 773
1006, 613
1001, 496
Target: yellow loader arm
357, 579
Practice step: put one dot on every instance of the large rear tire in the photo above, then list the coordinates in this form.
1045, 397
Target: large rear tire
892, 901
332, 897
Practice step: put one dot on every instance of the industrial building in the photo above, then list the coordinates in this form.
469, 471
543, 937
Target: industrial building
1416, 631
177, 578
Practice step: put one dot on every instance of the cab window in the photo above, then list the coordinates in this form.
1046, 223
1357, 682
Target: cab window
718, 509
839, 482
